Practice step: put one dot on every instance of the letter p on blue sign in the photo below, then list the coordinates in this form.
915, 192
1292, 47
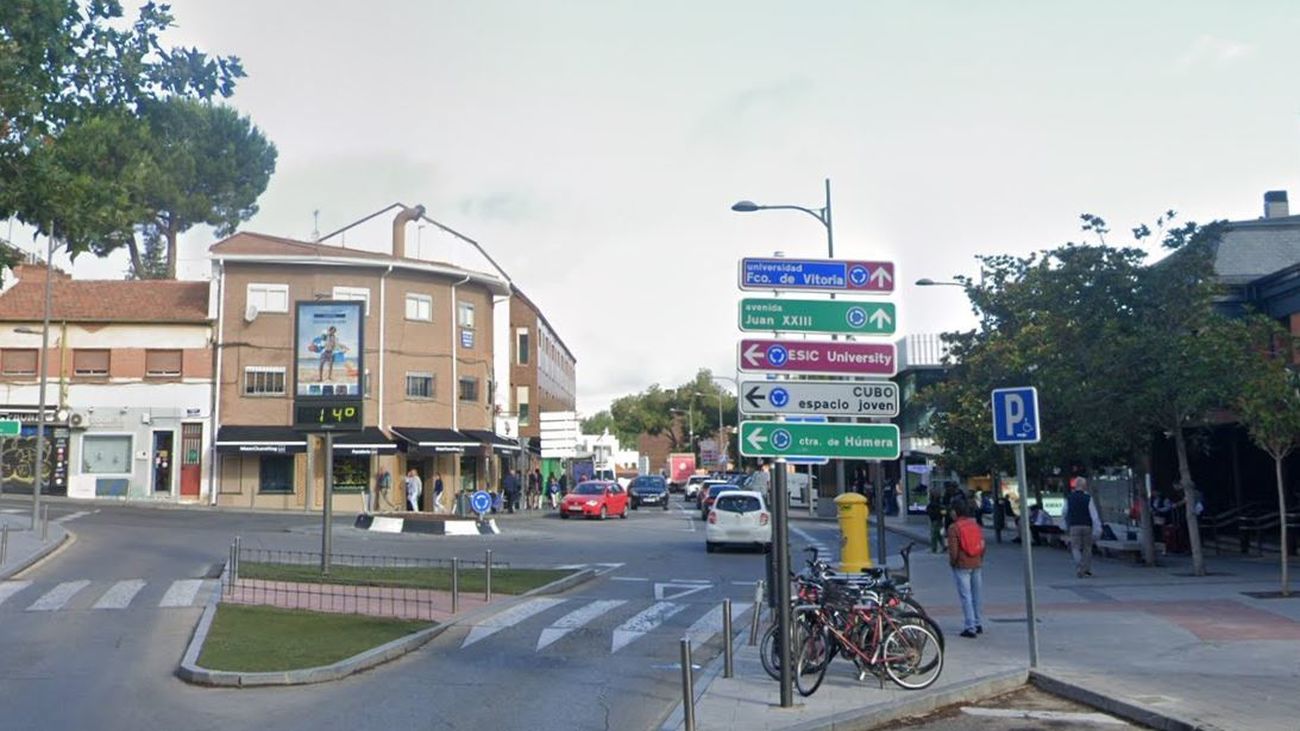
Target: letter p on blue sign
1015, 415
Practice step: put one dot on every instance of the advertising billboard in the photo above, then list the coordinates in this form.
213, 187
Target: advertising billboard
327, 359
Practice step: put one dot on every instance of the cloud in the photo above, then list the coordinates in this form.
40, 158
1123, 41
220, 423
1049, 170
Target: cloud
754, 111
1209, 49
502, 206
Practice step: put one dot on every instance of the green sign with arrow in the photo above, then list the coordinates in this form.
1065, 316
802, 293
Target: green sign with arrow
817, 316
834, 440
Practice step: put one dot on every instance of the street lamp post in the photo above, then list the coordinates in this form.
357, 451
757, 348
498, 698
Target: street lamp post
42, 364
721, 434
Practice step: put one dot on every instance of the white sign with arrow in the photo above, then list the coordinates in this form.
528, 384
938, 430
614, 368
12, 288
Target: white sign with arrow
827, 398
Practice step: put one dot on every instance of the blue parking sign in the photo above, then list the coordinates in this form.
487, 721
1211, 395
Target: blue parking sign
1015, 415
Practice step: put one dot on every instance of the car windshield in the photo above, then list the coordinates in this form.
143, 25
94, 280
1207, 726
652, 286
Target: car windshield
590, 488
739, 503
648, 484
718, 489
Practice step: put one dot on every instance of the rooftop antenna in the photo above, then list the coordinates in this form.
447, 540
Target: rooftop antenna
315, 225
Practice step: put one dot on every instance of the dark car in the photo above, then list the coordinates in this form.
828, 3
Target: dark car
707, 498
648, 490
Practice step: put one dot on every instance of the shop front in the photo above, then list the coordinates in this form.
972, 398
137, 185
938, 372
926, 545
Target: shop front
358, 456
435, 453
261, 466
18, 454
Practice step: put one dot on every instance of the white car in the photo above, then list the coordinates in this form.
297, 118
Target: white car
738, 517
692, 487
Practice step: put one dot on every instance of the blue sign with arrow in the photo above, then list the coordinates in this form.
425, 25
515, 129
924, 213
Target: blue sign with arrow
480, 502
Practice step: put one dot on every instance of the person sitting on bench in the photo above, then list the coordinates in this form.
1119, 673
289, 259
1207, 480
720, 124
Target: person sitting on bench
1041, 524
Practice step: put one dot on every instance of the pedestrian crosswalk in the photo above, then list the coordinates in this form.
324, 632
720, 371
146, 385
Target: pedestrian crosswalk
543, 624
84, 594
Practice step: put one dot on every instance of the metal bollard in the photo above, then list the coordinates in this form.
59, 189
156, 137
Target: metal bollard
758, 611
45, 522
688, 687
455, 585
235, 572
727, 669
487, 577
4, 543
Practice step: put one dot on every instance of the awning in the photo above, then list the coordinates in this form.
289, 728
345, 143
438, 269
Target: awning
261, 439
436, 440
492, 439
367, 441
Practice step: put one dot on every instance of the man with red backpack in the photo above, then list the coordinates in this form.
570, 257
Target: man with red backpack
966, 556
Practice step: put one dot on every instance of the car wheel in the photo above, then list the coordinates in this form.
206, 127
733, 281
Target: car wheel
603, 513
623, 516
564, 516
665, 505
636, 506
710, 547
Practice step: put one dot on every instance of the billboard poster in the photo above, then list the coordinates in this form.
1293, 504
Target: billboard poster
327, 350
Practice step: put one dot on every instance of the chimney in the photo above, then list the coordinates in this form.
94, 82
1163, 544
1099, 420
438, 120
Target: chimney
1275, 205
405, 216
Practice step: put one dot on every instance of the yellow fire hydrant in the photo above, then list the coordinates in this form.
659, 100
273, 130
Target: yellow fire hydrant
855, 551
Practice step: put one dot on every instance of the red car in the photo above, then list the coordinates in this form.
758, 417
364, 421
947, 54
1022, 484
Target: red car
595, 498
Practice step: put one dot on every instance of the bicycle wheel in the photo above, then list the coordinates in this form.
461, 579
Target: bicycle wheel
770, 652
912, 656
814, 658
922, 619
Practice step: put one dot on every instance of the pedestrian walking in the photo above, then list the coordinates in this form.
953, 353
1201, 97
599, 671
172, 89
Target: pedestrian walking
510, 486
534, 490
564, 484
1083, 524
438, 507
383, 483
966, 557
934, 511
413, 489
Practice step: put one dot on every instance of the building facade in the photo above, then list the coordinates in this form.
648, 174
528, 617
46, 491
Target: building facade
543, 371
428, 373
129, 386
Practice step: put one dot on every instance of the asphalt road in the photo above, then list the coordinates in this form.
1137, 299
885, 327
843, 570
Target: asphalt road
608, 649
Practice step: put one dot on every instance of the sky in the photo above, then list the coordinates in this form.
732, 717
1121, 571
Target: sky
594, 148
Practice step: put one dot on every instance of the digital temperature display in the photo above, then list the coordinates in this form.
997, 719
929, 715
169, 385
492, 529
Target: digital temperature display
327, 415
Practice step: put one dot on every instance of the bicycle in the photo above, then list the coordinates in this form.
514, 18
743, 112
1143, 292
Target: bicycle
900, 644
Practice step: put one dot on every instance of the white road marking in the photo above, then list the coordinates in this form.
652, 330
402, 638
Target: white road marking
119, 596
181, 593
9, 588
601, 568
674, 590
690, 519
627, 578
55, 598
575, 619
1067, 716
711, 623
74, 516
823, 551
691, 581
744, 583
643, 623
509, 618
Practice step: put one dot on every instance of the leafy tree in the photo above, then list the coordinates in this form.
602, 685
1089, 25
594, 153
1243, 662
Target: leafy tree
1269, 405
73, 64
598, 422
209, 166
673, 412
151, 262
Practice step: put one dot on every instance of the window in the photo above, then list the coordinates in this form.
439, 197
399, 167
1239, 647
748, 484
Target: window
522, 406
521, 346
419, 307
18, 361
419, 385
87, 362
351, 473
354, 294
276, 473
263, 381
162, 363
269, 297
465, 315
105, 454
469, 389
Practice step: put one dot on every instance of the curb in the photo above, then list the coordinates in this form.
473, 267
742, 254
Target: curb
450, 526
190, 671
874, 717
45, 551
1125, 709
673, 719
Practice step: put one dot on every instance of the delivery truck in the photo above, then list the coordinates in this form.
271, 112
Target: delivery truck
681, 465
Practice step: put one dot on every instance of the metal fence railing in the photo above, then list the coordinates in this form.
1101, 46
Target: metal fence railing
402, 587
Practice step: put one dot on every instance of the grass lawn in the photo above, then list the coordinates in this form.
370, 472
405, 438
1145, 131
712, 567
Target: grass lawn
504, 581
266, 639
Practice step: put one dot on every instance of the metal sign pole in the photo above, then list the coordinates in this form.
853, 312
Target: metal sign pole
1029, 559
879, 485
326, 538
781, 546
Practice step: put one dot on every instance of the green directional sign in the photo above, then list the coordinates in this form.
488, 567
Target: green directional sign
817, 316
10, 427
832, 440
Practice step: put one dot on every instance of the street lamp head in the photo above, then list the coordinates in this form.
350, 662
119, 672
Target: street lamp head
745, 206
927, 282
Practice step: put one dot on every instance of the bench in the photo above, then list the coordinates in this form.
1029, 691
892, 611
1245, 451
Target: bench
1121, 547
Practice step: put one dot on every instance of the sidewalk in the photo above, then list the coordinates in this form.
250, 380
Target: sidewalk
25, 546
1190, 649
